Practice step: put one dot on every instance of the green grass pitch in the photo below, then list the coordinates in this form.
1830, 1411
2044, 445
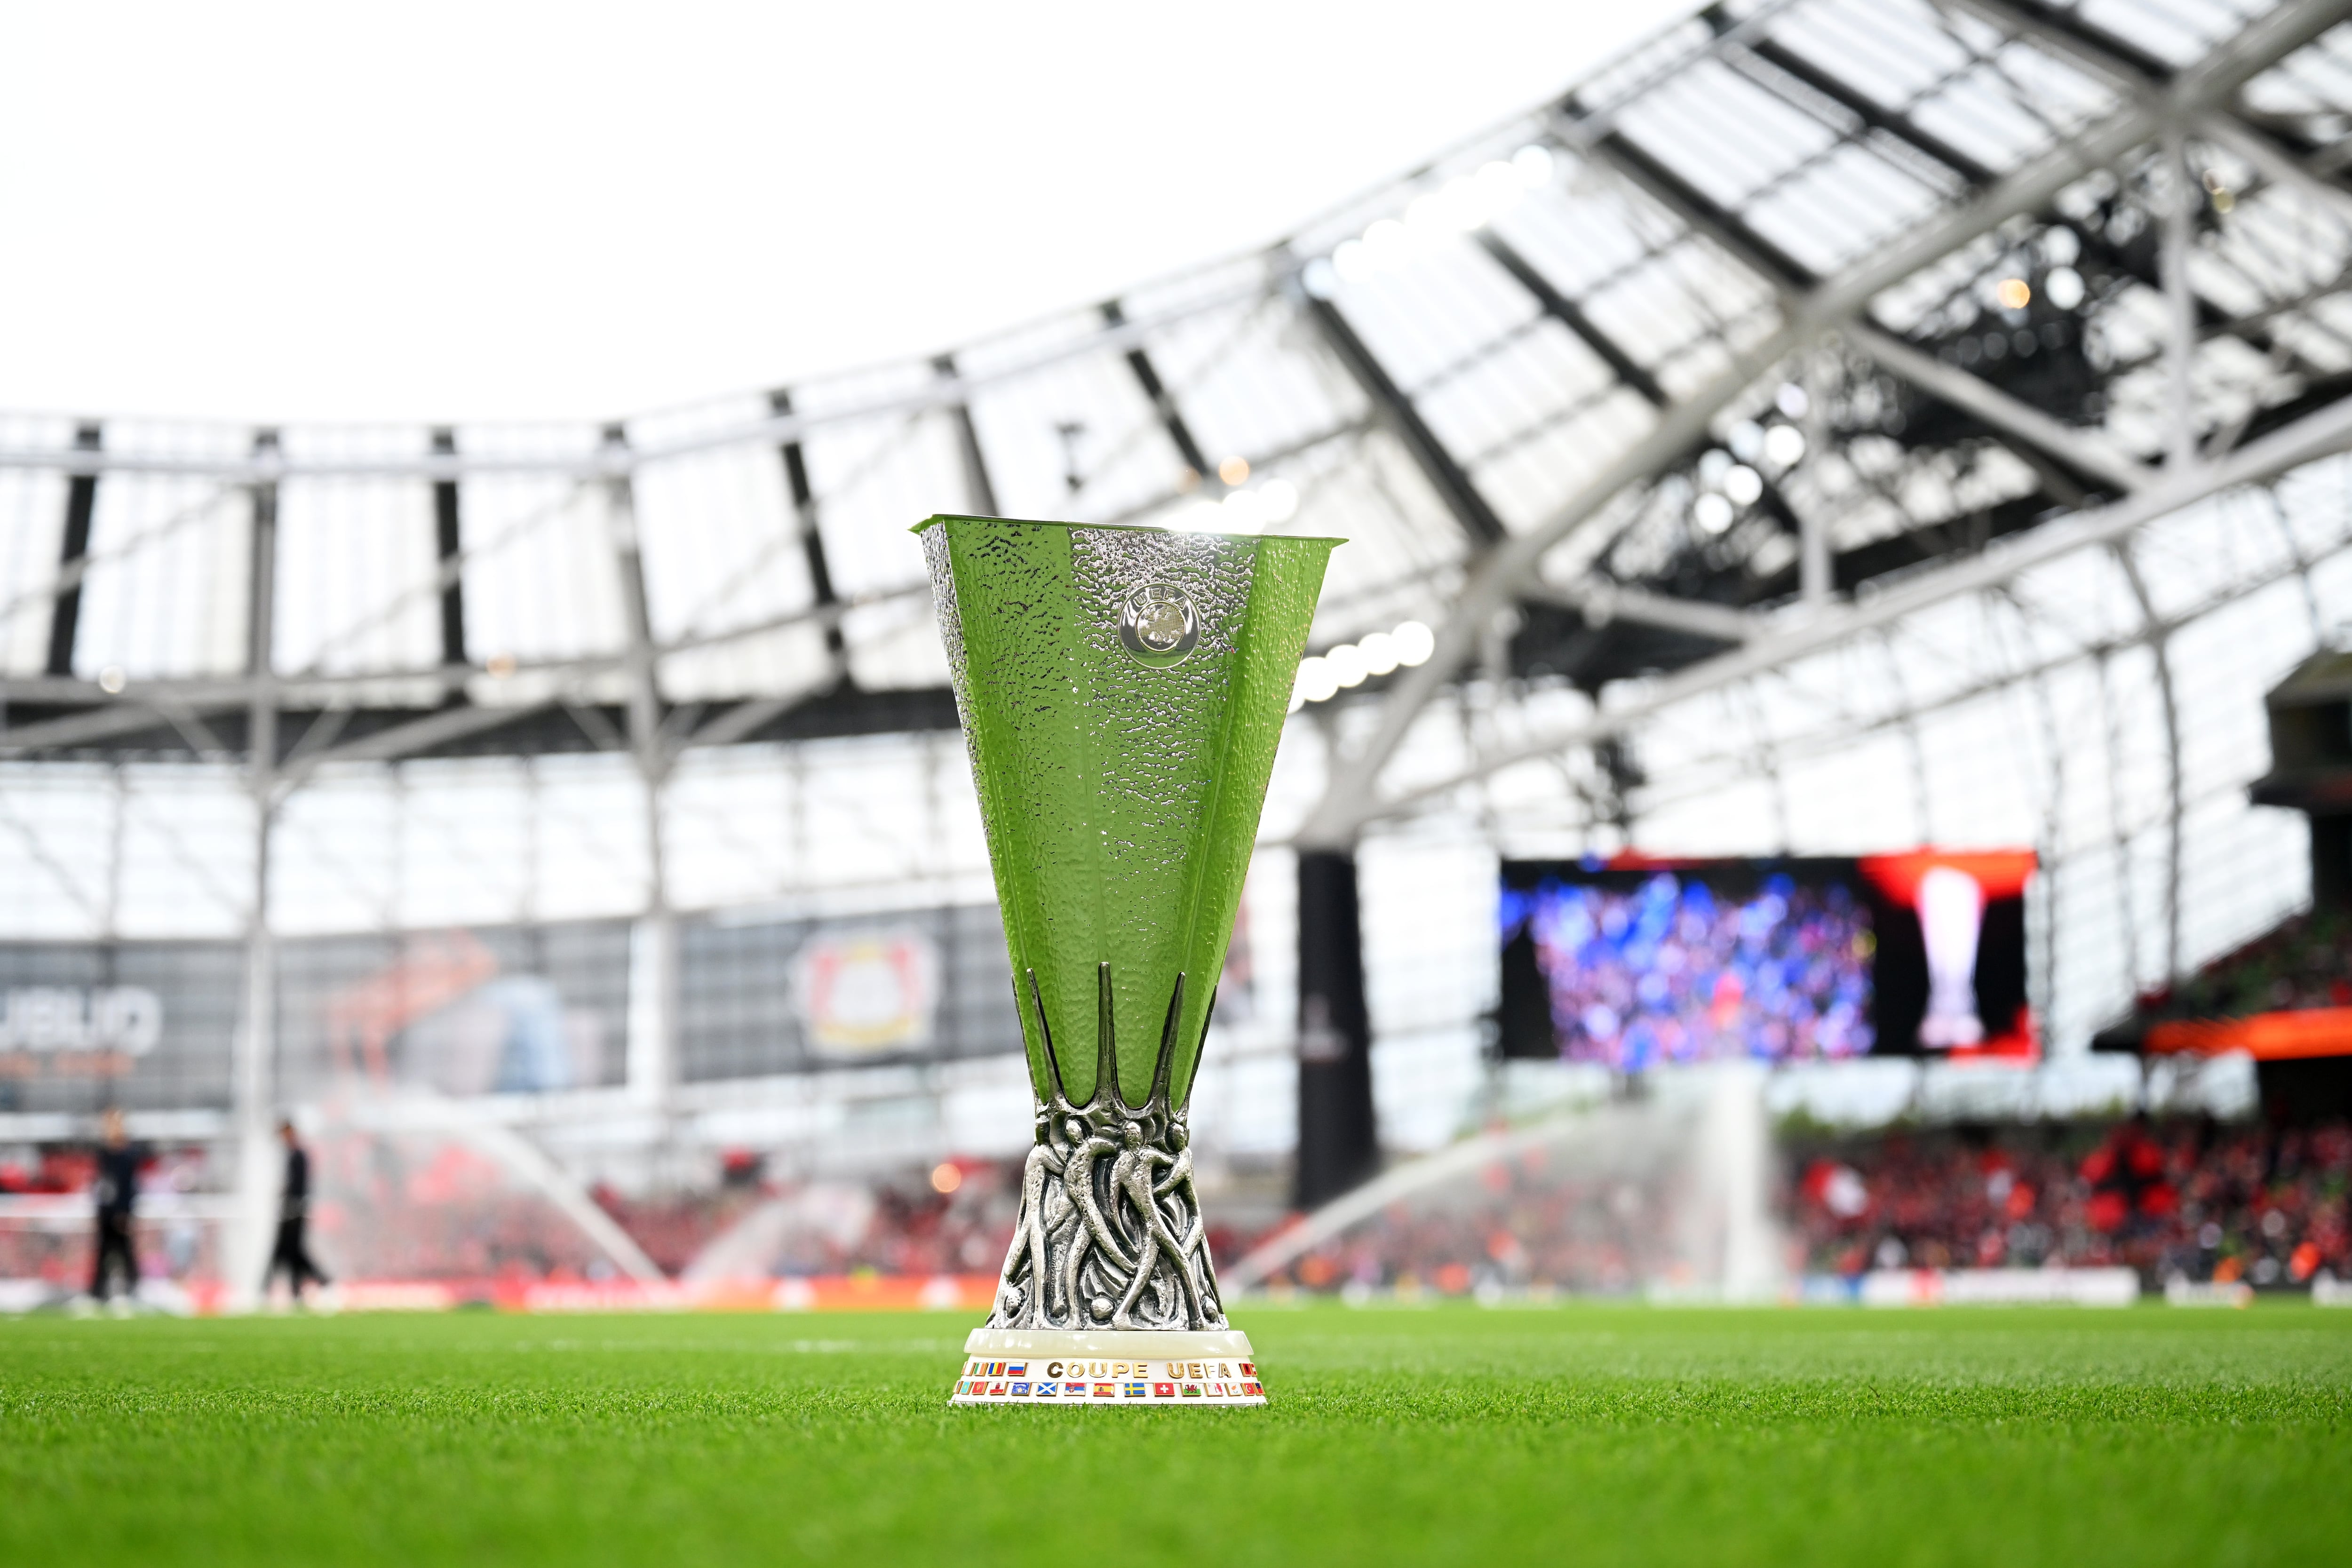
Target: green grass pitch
1577, 1435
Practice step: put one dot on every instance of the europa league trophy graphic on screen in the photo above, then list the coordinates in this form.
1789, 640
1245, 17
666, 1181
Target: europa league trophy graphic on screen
1122, 693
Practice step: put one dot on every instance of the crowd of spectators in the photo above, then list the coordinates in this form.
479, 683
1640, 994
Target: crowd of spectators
917, 1229
2306, 962
2188, 1199
1676, 970
673, 1228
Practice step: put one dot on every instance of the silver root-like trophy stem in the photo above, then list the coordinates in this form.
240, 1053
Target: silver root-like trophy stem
1111, 1234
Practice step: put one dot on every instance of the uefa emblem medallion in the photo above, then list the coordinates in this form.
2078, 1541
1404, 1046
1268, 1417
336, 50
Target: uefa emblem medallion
1120, 805
1158, 625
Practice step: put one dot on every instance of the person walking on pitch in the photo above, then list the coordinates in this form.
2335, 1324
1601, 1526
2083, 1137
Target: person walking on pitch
114, 1192
293, 1215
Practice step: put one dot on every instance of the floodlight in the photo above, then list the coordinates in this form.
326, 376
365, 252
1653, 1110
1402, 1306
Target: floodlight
1498, 183
1413, 644
1277, 500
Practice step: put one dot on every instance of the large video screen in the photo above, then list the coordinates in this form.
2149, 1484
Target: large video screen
1636, 963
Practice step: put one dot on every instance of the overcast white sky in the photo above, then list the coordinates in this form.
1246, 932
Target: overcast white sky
495, 211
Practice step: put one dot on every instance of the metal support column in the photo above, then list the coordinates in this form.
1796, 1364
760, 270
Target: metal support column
449, 546
820, 572
1875, 116
2159, 647
1456, 490
253, 1089
2118, 831
980, 493
1339, 1147
1667, 186
1171, 418
1816, 556
653, 1023
1915, 746
2042, 977
82, 505
2182, 196
1569, 314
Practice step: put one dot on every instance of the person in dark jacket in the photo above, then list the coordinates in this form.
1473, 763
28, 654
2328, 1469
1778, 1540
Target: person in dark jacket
293, 1214
115, 1189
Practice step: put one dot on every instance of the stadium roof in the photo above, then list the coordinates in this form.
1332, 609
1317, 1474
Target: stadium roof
1497, 375
1743, 357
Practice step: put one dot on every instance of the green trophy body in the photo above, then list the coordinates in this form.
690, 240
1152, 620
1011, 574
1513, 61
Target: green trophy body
1122, 691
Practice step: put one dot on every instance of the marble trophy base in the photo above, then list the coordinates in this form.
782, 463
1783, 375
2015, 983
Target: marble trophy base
1087, 1366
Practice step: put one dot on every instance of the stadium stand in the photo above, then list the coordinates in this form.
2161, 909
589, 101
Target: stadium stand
2194, 1199
1834, 428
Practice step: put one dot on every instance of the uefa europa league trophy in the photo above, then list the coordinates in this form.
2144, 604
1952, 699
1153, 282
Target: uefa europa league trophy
1122, 691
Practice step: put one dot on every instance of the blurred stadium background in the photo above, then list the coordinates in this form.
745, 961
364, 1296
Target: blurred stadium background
1836, 702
